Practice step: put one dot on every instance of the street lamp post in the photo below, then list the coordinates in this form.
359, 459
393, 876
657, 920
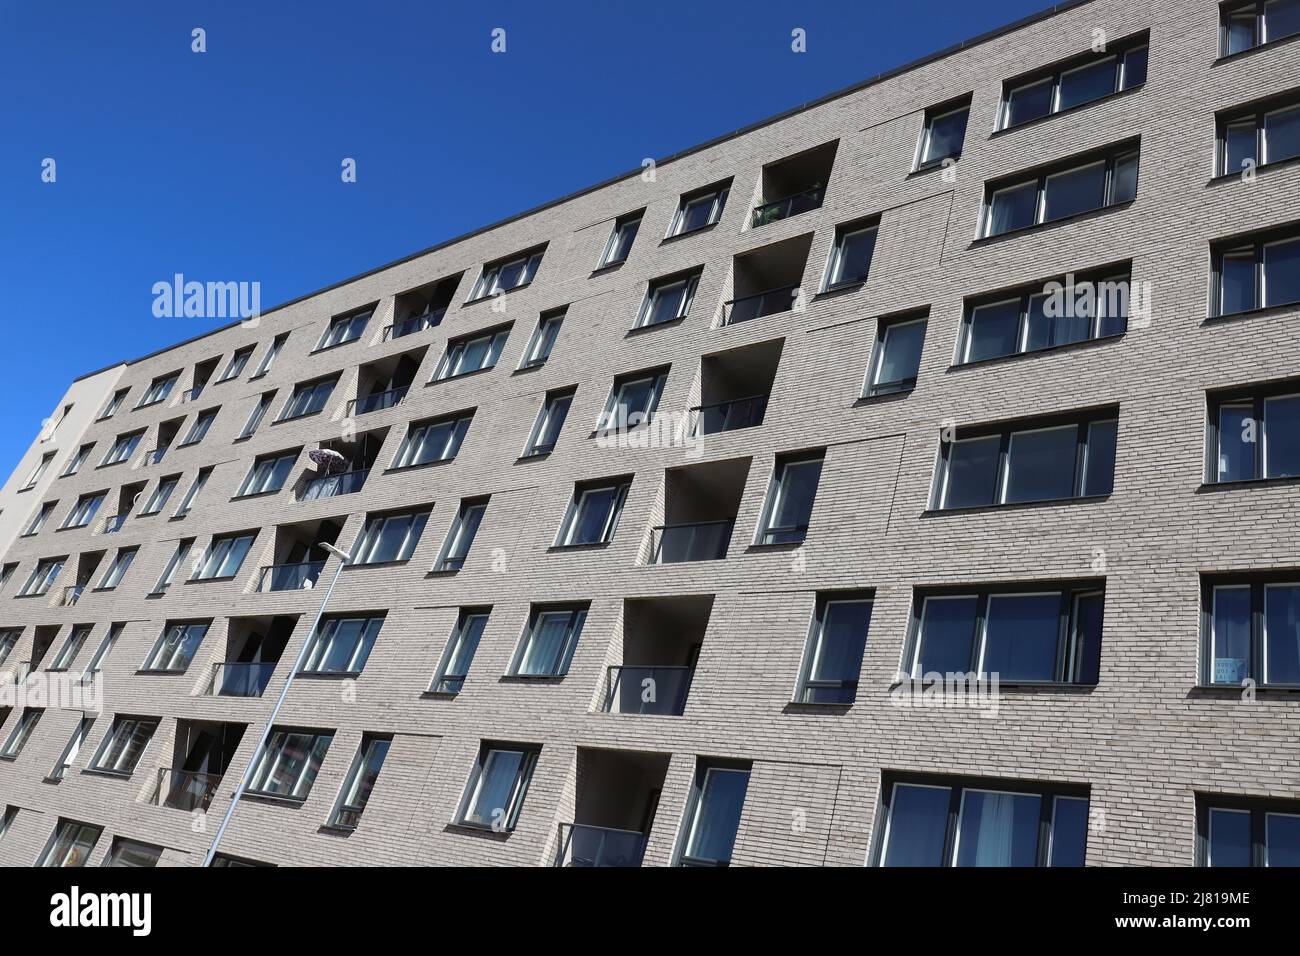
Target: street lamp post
344, 560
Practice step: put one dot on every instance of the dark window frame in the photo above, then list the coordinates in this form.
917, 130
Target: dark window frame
879, 352
1257, 396
1259, 809
940, 111
1253, 243
1257, 582
1120, 49
1257, 7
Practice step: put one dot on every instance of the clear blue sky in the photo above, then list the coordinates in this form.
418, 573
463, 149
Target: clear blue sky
225, 165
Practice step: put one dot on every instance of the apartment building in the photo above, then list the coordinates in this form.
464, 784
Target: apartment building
664, 504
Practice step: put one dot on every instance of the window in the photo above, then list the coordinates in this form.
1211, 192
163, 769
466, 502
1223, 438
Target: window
1047, 460
7, 572
190, 496
238, 362
1256, 275
255, 419
200, 427
790, 499
621, 239
699, 209
345, 328
224, 557
550, 419
7, 819
437, 440
268, 360
459, 653
307, 399
84, 512
113, 405
361, 781
896, 359
342, 645
22, 732
958, 822
1266, 133
176, 646
129, 853
1123, 66
1248, 25
390, 537
35, 475
461, 535
72, 748
592, 517
1049, 634
1044, 316
158, 390
268, 474
105, 648
8, 641
173, 565
543, 340
38, 520
42, 576
1251, 629
549, 641
79, 459
505, 275
713, 814
474, 353
124, 744
943, 134
1237, 831
117, 570
290, 762
833, 657
1254, 434
71, 844
851, 257
221, 859
667, 300
1069, 189
158, 500
633, 400
497, 786
122, 449
71, 647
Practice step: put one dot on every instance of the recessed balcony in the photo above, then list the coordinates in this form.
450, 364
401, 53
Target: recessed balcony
734, 388
661, 643
699, 508
201, 755
766, 281
290, 577
345, 472
253, 649
614, 811
794, 185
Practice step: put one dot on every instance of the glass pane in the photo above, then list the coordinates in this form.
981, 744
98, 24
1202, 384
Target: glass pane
466, 644
496, 784
972, 473
632, 406
1241, 31
1124, 183
1282, 135
1087, 84
717, 815
592, 516
1282, 272
1282, 437
1020, 636
1040, 464
1013, 208
1281, 839
1236, 442
900, 358
1135, 68
837, 655
1238, 147
1237, 282
797, 490
854, 262
1229, 838
696, 213
1075, 191
1029, 102
666, 303
1281, 19
998, 829
1099, 461
1282, 634
1068, 324
1069, 832
993, 330
947, 636
546, 644
1230, 637
947, 133
1089, 611
918, 825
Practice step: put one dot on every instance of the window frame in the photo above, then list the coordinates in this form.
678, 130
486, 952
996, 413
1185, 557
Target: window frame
323, 638
775, 497
38, 584
462, 636
1259, 28
1118, 51
118, 568
1259, 810
18, 737
529, 755
1112, 157
201, 426
657, 377
171, 645
630, 220
835, 280
68, 837
216, 557
411, 445
449, 365
932, 116
1253, 245
1258, 583
696, 805
1257, 398
311, 388
159, 389
77, 460
307, 774
347, 328
455, 548
239, 360
564, 652
372, 534
534, 357
689, 283
122, 449
621, 485
488, 282
263, 471
258, 415
161, 494
269, 357
118, 741
356, 787
880, 351
715, 194
815, 644
533, 448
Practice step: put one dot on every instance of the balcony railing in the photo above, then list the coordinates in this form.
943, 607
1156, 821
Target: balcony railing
330, 486
239, 679
114, 524
416, 323
789, 206
730, 415
648, 690
581, 845
761, 303
71, 595
378, 401
185, 789
697, 541
290, 577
